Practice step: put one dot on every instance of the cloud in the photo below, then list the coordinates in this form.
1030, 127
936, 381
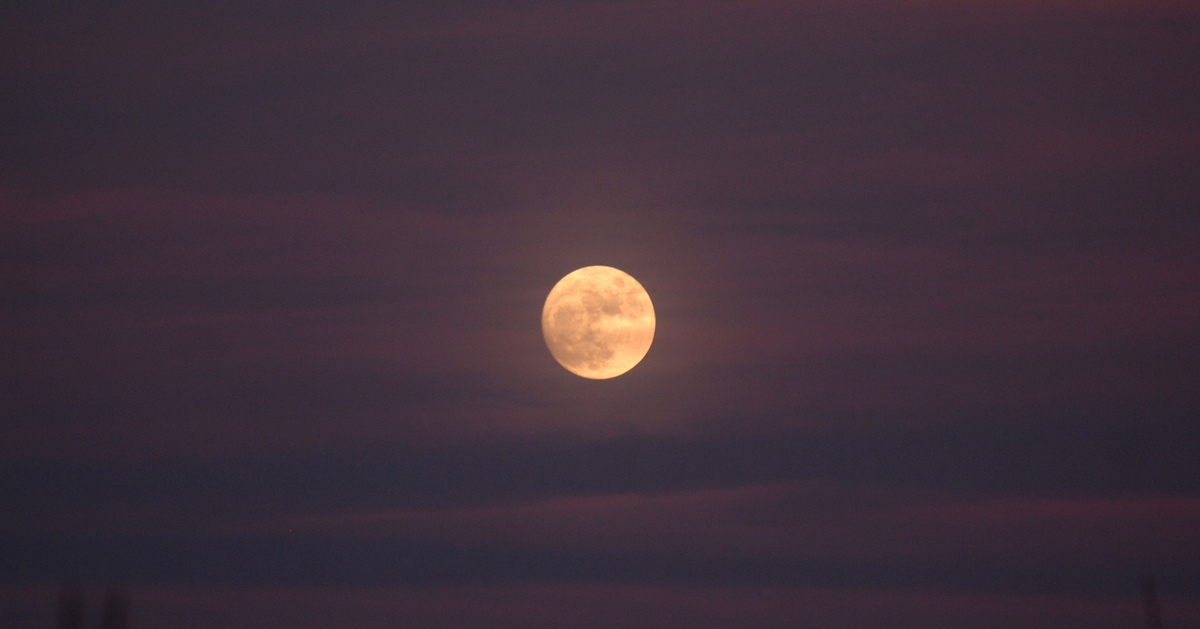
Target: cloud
591, 606
1085, 459
813, 534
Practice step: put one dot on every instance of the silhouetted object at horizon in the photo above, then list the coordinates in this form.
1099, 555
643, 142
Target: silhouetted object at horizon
70, 607
116, 609
1150, 602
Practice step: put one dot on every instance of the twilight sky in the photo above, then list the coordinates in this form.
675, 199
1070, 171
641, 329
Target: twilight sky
925, 273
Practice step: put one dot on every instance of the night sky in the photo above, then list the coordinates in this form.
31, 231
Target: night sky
926, 274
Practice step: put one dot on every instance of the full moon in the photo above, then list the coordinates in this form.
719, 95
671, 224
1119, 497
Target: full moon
598, 322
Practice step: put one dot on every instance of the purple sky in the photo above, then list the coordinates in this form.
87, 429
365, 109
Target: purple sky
925, 273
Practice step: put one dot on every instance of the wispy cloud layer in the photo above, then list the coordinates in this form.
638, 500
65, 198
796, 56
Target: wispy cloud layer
924, 272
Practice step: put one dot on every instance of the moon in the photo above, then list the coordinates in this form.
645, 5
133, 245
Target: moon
598, 322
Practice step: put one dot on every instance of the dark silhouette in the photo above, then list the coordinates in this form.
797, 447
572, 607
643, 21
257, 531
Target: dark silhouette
116, 609
70, 607
1150, 602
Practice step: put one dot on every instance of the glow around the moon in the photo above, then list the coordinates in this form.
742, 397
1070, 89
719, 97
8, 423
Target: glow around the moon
598, 322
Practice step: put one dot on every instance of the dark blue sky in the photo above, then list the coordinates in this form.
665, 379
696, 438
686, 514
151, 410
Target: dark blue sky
925, 276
